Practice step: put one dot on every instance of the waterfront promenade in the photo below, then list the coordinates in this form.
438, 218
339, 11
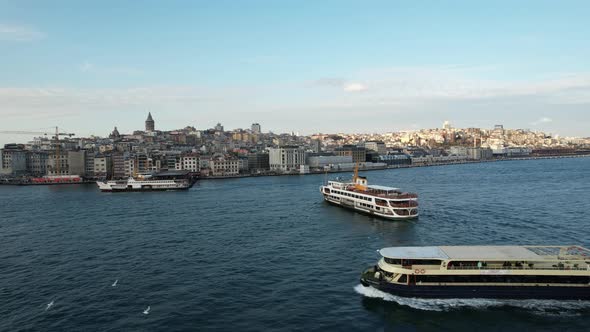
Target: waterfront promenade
398, 166
331, 171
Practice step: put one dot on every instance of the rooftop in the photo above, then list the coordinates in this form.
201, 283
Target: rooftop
487, 252
382, 188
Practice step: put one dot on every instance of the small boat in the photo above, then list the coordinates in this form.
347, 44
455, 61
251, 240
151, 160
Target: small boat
155, 182
499, 272
381, 201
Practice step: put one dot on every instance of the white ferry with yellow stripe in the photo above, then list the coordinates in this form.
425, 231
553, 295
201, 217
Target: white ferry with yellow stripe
381, 201
506, 272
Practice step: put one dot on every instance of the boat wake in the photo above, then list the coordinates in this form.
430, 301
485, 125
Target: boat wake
542, 307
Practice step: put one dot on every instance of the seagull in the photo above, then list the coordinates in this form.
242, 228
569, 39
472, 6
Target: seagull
115, 283
147, 310
49, 305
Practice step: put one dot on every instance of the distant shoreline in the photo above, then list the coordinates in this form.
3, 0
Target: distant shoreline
398, 166
329, 171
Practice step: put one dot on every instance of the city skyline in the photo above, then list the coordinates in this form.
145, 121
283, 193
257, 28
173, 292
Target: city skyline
313, 67
140, 126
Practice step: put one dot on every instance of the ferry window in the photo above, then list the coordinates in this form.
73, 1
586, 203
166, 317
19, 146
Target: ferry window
505, 279
403, 278
394, 261
426, 262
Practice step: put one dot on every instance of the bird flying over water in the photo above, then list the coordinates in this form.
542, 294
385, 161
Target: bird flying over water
49, 305
115, 283
147, 310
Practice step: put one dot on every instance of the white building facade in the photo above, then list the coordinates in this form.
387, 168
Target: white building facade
286, 158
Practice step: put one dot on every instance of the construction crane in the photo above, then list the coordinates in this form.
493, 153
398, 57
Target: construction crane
56, 142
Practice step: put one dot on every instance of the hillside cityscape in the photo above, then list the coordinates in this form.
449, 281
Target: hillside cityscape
216, 152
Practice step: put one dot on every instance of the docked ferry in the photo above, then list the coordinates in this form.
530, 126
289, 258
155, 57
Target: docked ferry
500, 272
162, 181
381, 201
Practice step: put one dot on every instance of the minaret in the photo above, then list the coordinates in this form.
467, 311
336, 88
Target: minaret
149, 123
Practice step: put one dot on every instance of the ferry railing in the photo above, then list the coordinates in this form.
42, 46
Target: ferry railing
566, 268
404, 205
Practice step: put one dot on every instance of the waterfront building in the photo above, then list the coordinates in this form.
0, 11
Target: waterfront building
130, 166
118, 162
393, 159
518, 152
222, 166
13, 160
287, 158
316, 145
57, 164
243, 166
322, 161
172, 160
102, 166
458, 151
76, 162
190, 162
258, 162
89, 163
37, 163
359, 154
204, 161
142, 163
149, 123
479, 153
377, 146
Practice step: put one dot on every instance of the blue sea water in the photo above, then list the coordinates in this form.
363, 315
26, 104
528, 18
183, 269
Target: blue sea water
264, 254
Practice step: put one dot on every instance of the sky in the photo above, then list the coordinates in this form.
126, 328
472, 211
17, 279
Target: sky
294, 66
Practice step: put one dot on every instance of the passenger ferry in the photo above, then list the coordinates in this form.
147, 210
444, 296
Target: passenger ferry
501, 272
385, 202
161, 181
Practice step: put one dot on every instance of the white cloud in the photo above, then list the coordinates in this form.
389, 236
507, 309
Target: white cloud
456, 83
354, 87
340, 83
92, 68
15, 32
399, 96
541, 121
86, 67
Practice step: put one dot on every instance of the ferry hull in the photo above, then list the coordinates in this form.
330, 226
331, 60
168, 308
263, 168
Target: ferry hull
489, 292
143, 189
371, 213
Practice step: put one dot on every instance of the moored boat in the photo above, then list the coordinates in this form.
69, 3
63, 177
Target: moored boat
156, 182
504, 272
381, 201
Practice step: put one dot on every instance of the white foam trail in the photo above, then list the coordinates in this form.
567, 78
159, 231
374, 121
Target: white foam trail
115, 283
147, 310
545, 307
